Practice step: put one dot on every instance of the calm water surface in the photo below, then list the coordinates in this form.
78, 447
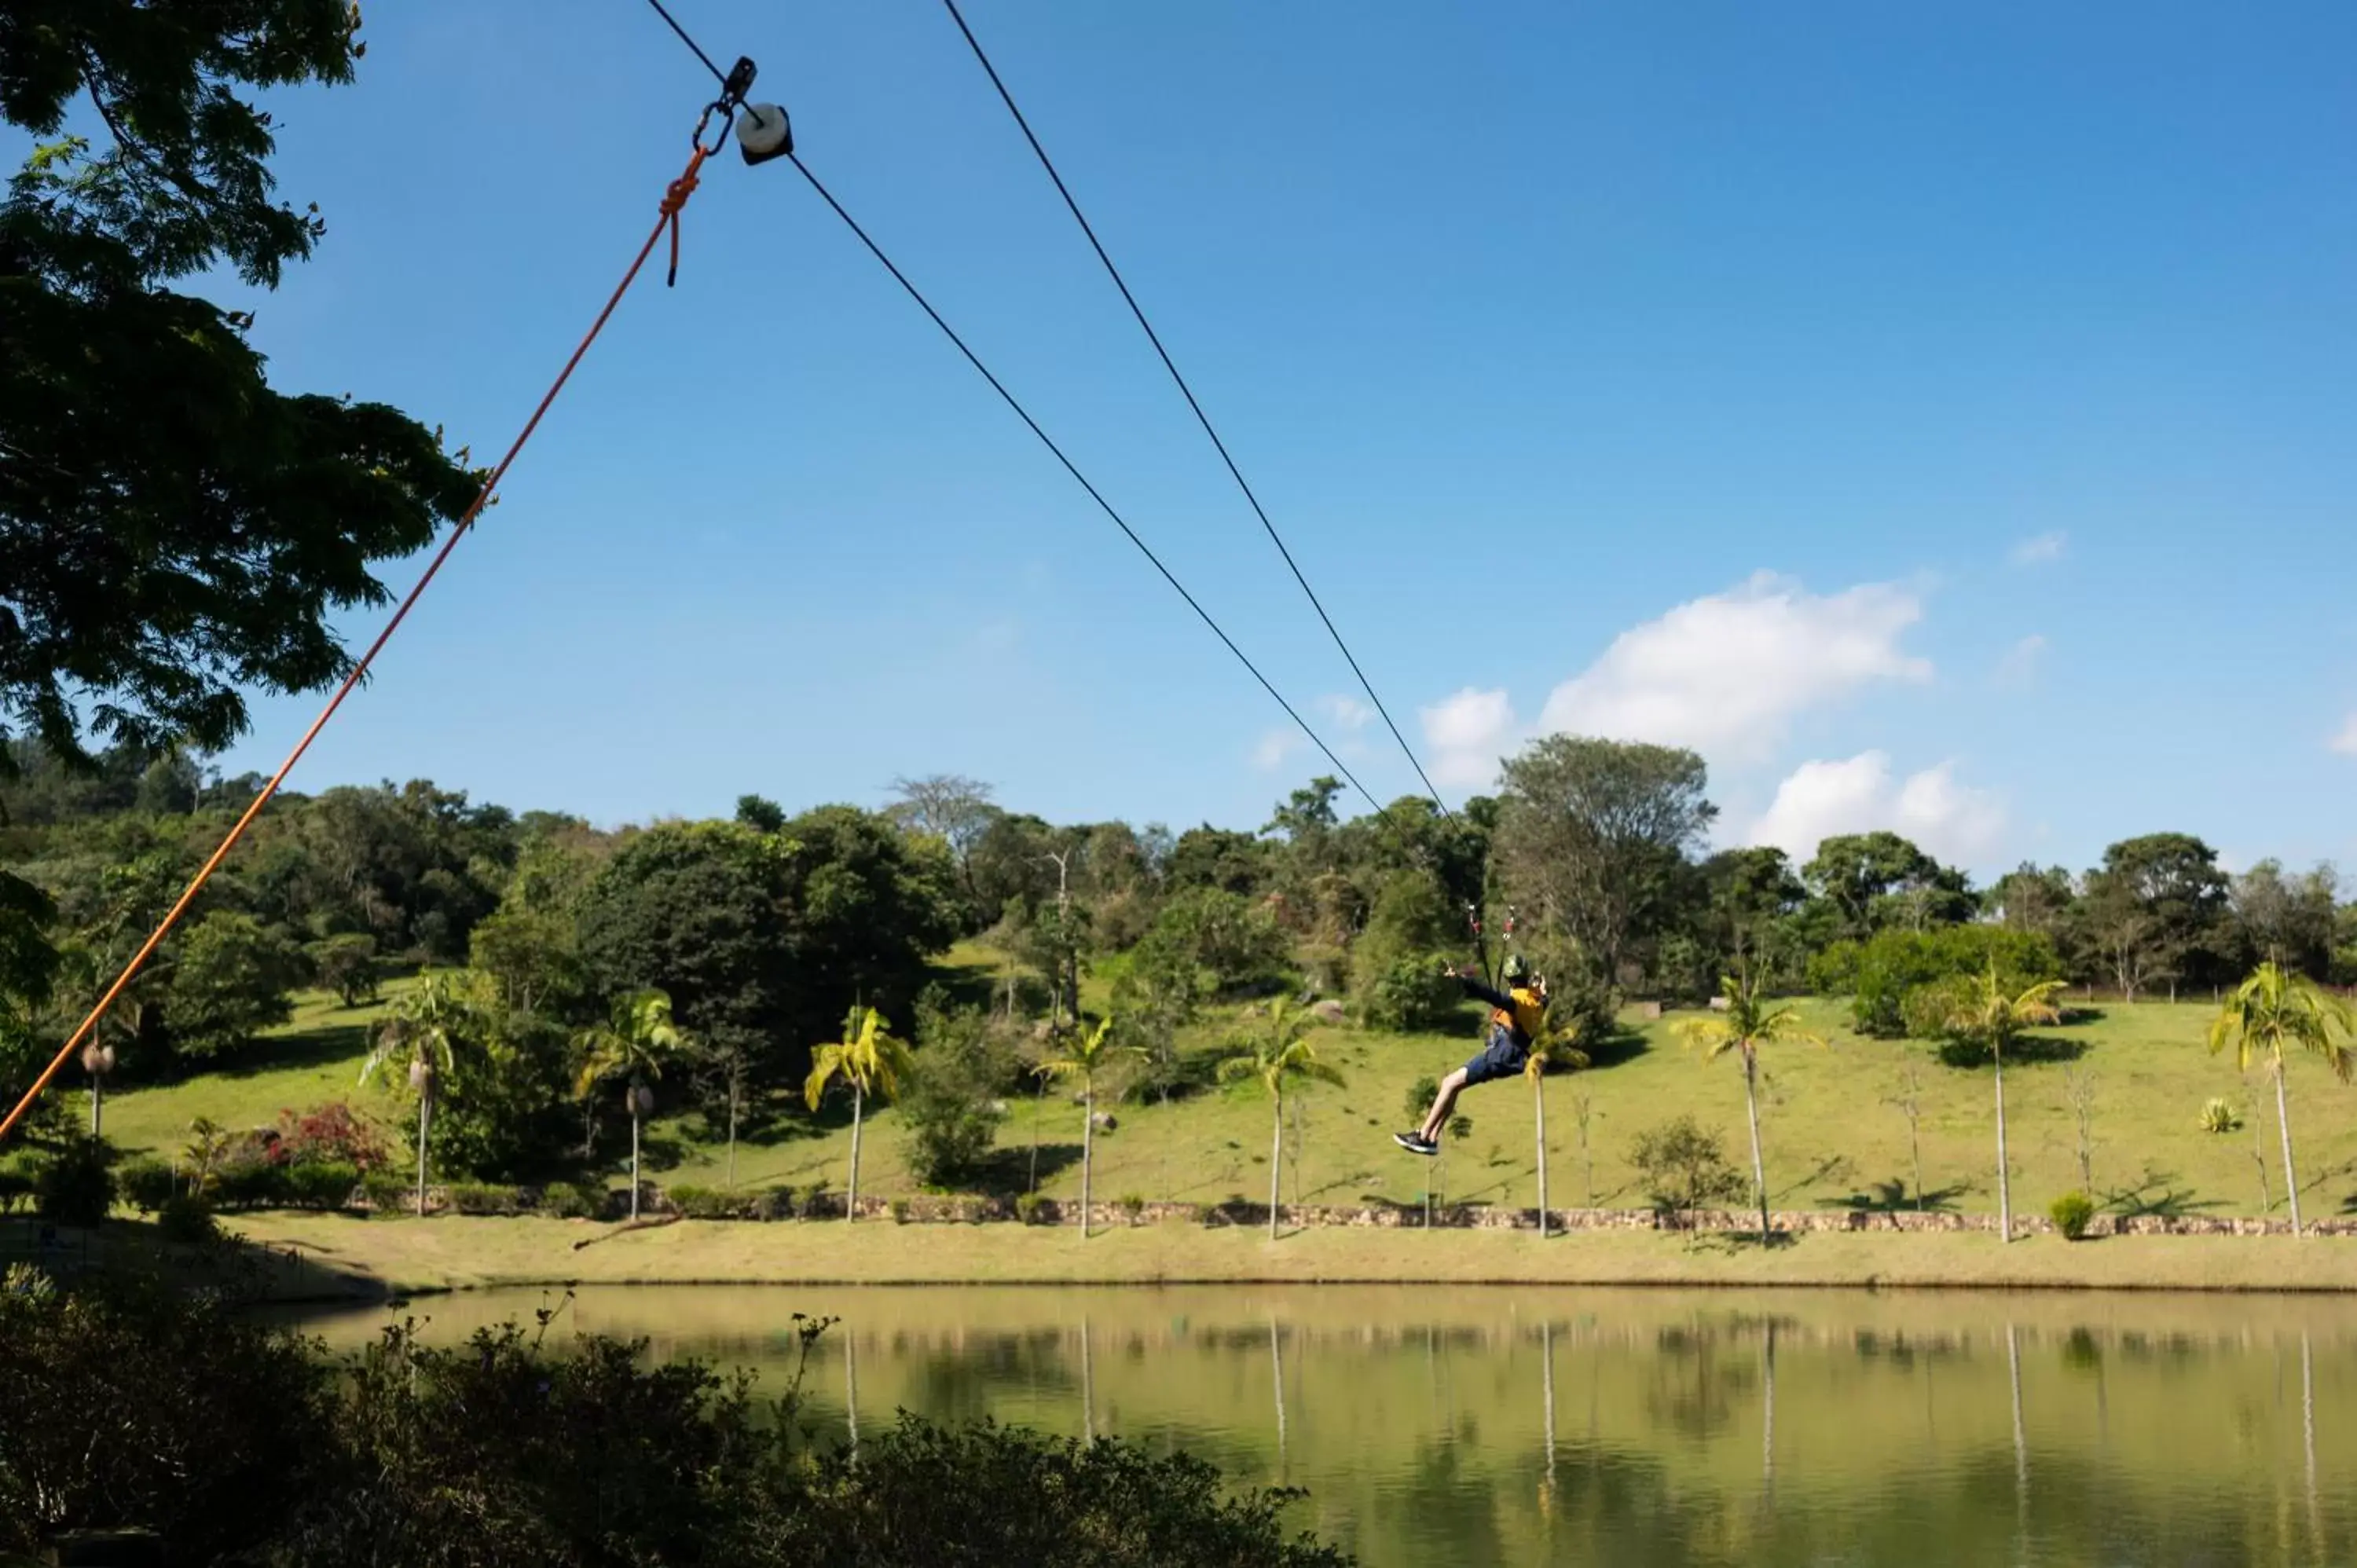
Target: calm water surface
1623, 1429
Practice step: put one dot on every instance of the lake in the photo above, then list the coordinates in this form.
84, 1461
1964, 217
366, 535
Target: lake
1627, 1429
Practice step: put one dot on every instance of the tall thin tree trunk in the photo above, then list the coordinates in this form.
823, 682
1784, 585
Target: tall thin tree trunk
1038, 1101
851, 1194
1538, 1096
1759, 1167
97, 1095
1275, 1165
634, 1156
735, 1109
1546, 1383
2004, 1181
1915, 1150
2283, 1125
1088, 1149
1088, 1383
2020, 1440
851, 1389
424, 1122
1276, 1363
2259, 1159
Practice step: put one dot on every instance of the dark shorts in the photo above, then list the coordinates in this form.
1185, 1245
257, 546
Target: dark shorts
1503, 1057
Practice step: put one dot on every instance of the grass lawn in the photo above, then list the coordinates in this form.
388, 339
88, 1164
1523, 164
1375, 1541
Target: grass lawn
409, 1255
1833, 1137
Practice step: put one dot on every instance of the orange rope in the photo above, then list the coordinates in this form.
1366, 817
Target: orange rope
674, 197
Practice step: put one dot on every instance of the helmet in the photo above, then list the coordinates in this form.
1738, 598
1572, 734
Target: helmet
1516, 971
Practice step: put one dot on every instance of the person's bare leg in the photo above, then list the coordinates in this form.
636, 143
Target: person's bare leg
1442, 1103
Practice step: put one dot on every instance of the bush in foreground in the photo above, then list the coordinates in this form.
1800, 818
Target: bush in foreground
2073, 1213
132, 1407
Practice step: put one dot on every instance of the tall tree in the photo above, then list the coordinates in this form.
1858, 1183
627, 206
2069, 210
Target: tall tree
1593, 836
155, 569
1275, 1055
870, 1060
1084, 1057
1986, 1012
431, 1028
2287, 920
632, 1045
2271, 1015
1743, 1026
2174, 880
2034, 898
1879, 879
954, 809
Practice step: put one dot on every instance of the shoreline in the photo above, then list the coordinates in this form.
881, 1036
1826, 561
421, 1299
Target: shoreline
338, 1257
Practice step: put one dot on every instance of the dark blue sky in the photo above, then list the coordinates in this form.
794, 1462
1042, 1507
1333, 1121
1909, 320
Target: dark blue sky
2011, 343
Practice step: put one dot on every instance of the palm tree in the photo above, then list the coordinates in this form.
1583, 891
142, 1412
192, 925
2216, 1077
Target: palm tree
98, 1060
1746, 1024
870, 1060
1281, 1055
1557, 1046
632, 1044
428, 1029
1984, 1012
2272, 1011
1084, 1058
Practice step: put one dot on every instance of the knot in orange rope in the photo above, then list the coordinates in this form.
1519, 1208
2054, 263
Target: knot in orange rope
674, 197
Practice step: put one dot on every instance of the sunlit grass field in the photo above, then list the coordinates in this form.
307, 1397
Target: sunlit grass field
1834, 1137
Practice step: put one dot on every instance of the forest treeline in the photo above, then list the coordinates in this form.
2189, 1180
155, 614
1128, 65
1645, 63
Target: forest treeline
764, 929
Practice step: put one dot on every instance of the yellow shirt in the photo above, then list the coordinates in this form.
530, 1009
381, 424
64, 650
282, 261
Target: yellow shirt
1527, 1017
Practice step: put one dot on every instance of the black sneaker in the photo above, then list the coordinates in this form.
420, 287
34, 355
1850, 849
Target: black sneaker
1416, 1144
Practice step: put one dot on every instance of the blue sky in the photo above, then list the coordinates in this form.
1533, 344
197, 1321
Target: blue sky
1940, 417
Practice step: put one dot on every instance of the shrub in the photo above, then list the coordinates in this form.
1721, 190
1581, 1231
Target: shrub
1028, 1207
147, 1184
185, 1218
16, 1188
332, 1133
899, 1209
388, 1193
484, 1198
1133, 1204
1684, 1166
252, 1184
76, 1184
322, 1186
2071, 1214
711, 1203
574, 1200
2218, 1116
1897, 963
1409, 993
777, 1203
813, 1203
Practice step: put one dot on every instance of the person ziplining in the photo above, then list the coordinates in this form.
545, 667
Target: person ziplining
1517, 1018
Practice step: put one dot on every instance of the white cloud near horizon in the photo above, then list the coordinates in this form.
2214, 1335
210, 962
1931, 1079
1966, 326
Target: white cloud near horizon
1725, 674
2345, 743
2019, 665
1347, 712
1275, 747
1952, 822
1466, 734
2039, 551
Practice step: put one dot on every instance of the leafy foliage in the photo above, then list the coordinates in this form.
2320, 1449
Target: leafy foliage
2073, 1213
1684, 1166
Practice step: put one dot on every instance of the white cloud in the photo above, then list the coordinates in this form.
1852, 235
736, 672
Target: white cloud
1727, 674
1952, 822
1348, 713
2345, 743
1275, 747
2019, 665
2039, 551
1468, 733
